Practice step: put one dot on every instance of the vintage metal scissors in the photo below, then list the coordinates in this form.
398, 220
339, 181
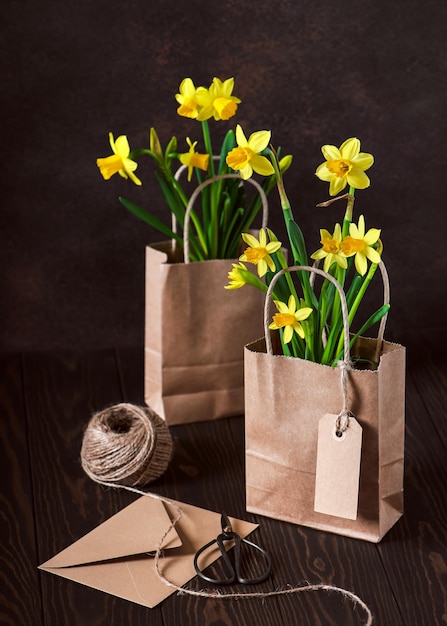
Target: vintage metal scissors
233, 572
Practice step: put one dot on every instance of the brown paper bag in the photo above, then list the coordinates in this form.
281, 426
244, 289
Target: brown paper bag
195, 332
286, 397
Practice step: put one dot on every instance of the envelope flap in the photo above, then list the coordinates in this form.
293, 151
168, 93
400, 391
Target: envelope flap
137, 529
135, 578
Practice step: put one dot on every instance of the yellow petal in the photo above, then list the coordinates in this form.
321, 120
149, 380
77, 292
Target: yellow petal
112, 142
298, 329
331, 153
342, 261
134, 179
328, 261
358, 179
262, 267
270, 262
363, 161
262, 238
318, 254
303, 313
287, 334
240, 137
259, 140
372, 255
337, 232
227, 86
250, 240
281, 306
371, 236
361, 227
262, 165
350, 148
129, 165
205, 113
273, 246
323, 173
336, 185
246, 171
187, 87
122, 146
361, 264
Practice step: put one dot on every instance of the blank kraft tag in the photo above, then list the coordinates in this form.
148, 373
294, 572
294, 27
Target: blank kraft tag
338, 468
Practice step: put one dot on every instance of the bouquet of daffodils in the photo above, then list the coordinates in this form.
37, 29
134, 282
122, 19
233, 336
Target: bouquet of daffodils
310, 324
225, 210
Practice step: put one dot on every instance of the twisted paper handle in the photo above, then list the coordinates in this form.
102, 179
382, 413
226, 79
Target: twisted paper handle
197, 192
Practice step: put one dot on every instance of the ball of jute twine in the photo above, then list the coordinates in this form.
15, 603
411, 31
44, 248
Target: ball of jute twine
127, 445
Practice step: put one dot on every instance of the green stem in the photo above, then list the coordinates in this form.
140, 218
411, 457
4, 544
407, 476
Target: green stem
357, 301
348, 213
212, 193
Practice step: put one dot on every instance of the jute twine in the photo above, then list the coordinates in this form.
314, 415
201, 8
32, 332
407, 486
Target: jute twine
108, 465
126, 444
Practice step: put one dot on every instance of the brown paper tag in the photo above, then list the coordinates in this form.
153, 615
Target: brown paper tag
338, 468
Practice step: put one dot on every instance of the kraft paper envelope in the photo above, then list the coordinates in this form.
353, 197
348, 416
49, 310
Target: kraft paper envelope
117, 557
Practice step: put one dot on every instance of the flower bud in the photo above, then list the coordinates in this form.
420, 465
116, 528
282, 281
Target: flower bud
285, 163
154, 144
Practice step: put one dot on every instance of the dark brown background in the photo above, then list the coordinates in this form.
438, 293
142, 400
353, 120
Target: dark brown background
315, 72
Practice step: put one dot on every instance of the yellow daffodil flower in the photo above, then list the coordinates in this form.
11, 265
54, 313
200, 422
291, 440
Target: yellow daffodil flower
259, 252
217, 101
119, 161
289, 318
360, 243
194, 159
345, 165
246, 158
330, 250
235, 277
187, 99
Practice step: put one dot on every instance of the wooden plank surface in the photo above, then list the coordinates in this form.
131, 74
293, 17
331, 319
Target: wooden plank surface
48, 502
415, 552
20, 599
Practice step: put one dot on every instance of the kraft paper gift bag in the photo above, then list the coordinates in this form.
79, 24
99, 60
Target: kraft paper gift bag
194, 346
287, 400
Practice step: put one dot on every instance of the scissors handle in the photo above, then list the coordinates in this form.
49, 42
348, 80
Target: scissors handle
234, 572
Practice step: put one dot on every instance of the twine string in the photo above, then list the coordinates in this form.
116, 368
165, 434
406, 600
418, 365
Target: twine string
218, 594
342, 421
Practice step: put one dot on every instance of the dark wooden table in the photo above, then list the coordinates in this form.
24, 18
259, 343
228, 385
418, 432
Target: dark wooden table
48, 502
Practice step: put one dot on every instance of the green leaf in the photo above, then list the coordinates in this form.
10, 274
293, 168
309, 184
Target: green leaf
373, 319
150, 219
297, 242
228, 144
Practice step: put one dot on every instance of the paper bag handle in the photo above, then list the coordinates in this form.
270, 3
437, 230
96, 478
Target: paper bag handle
344, 307
197, 191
